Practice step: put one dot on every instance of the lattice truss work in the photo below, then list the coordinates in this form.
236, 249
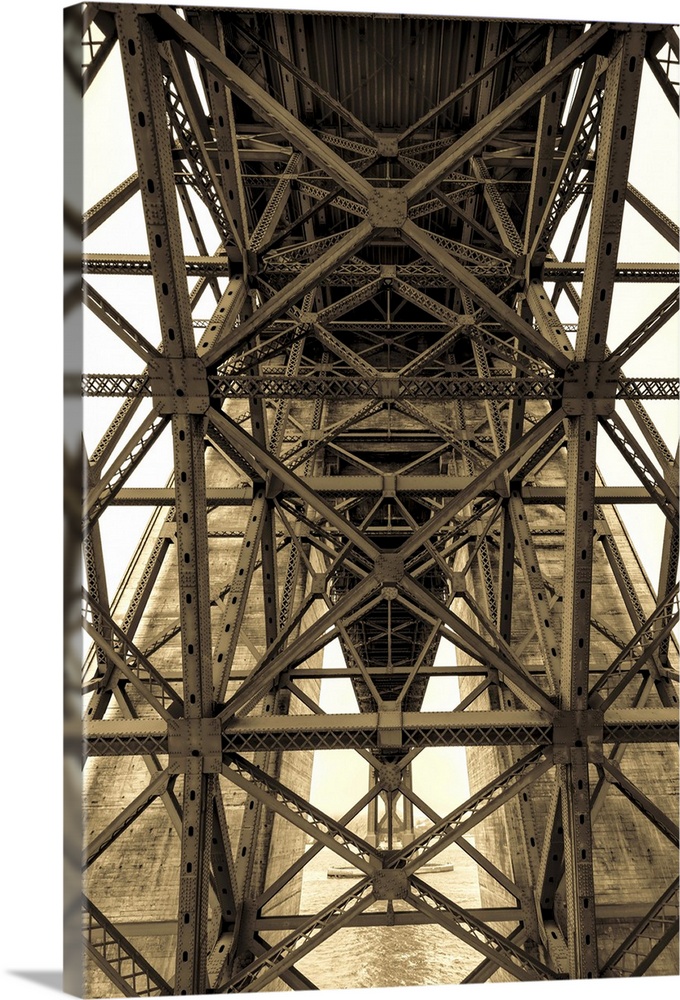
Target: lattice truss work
392, 322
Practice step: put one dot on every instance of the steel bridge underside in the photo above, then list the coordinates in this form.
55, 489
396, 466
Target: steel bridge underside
384, 251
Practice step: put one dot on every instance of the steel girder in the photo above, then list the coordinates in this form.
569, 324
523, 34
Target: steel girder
397, 476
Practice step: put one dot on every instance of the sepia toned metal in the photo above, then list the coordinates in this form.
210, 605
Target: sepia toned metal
385, 371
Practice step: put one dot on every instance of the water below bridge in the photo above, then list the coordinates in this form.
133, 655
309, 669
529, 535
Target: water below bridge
417, 955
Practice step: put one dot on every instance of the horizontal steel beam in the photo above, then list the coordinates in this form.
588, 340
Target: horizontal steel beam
399, 918
607, 913
220, 266
320, 383
452, 670
562, 271
362, 731
342, 486
442, 728
385, 385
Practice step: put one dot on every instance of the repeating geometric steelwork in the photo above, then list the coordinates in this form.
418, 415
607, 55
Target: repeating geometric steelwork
386, 441
122, 963
279, 385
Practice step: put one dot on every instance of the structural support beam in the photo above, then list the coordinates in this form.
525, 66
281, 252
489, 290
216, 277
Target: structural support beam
618, 117
244, 87
637, 725
143, 77
505, 113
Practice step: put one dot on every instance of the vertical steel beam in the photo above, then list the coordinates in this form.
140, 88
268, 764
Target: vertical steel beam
236, 601
618, 116
610, 181
144, 86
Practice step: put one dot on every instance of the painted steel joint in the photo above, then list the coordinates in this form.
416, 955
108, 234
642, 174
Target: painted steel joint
388, 274
577, 732
389, 727
389, 776
389, 386
391, 883
387, 208
189, 738
388, 146
389, 568
588, 386
307, 320
180, 385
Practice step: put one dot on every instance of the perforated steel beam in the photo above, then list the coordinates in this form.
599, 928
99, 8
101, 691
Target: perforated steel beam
143, 76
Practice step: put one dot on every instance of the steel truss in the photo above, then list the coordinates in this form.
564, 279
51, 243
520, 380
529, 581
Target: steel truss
385, 433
